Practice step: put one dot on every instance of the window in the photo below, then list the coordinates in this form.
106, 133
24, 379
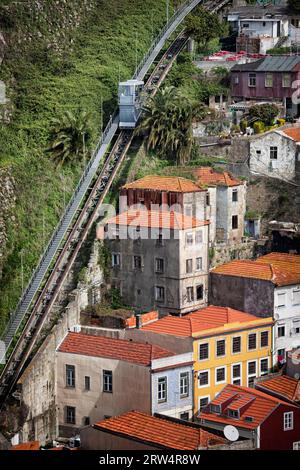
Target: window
236, 344
107, 381
234, 195
189, 239
233, 413
203, 351
220, 375
215, 409
245, 25
190, 294
87, 383
203, 402
198, 237
281, 355
258, 153
189, 266
159, 265
296, 445
286, 80
236, 372
159, 293
296, 297
251, 341
281, 299
252, 80
116, 259
188, 210
251, 382
264, 339
235, 222
281, 331
207, 199
184, 416
184, 384
252, 367
203, 378
264, 366
70, 415
86, 421
268, 80
273, 153
221, 347
296, 326
70, 376
137, 262
236, 80
162, 389
288, 421
199, 292
160, 240
199, 264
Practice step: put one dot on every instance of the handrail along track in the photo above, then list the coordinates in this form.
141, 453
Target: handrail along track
81, 212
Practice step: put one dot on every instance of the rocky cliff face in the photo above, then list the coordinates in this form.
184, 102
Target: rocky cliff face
7, 203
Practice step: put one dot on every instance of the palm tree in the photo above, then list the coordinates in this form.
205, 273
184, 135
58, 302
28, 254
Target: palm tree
168, 124
70, 137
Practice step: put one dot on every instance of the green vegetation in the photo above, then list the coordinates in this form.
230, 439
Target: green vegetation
294, 5
168, 124
42, 83
264, 112
203, 26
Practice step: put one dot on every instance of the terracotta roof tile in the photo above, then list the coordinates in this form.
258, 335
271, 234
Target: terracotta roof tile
119, 349
172, 184
208, 176
279, 268
293, 133
158, 431
156, 219
32, 445
281, 385
200, 321
260, 405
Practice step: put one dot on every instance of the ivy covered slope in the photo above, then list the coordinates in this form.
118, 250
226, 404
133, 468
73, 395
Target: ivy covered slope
59, 55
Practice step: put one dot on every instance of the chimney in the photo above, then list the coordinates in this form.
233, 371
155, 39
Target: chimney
139, 322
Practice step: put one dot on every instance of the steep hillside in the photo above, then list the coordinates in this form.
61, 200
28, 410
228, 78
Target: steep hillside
57, 55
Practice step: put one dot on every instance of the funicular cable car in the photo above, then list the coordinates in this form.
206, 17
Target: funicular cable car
130, 103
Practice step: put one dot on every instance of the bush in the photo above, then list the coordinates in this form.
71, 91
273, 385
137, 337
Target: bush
264, 112
259, 127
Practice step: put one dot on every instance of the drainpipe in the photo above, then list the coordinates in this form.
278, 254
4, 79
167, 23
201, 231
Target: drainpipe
138, 318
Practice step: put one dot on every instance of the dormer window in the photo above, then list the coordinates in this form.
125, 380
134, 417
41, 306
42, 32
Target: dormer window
215, 409
233, 413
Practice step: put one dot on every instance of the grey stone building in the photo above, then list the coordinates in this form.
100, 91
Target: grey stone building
159, 260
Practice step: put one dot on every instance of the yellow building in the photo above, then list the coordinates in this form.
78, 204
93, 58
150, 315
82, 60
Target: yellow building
229, 346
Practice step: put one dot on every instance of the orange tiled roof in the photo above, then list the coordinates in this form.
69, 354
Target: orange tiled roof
172, 184
119, 349
33, 445
208, 176
283, 386
201, 320
279, 268
159, 432
293, 132
258, 406
157, 219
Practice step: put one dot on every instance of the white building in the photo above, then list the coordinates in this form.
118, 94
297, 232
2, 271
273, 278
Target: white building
275, 153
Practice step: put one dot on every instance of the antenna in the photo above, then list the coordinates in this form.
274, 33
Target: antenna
231, 433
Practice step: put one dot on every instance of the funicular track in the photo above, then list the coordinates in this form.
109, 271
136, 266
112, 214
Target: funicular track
41, 295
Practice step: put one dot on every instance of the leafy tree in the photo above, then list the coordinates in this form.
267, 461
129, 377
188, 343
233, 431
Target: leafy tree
168, 124
264, 112
203, 26
70, 137
294, 5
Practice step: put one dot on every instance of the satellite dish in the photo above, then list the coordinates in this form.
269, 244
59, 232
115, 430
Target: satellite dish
231, 433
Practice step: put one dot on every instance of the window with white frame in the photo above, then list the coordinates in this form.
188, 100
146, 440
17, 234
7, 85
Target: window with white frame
236, 374
70, 376
199, 237
251, 341
286, 80
236, 344
268, 80
203, 378
264, 339
199, 264
162, 389
264, 366
189, 239
70, 415
220, 375
203, 402
203, 351
281, 299
115, 260
273, 152
252, 80
159, 265
220, 347
288, 421
190, 294
281, 331
251, 372
296, 296
188, 266
107, 381
184, 384
296, 445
